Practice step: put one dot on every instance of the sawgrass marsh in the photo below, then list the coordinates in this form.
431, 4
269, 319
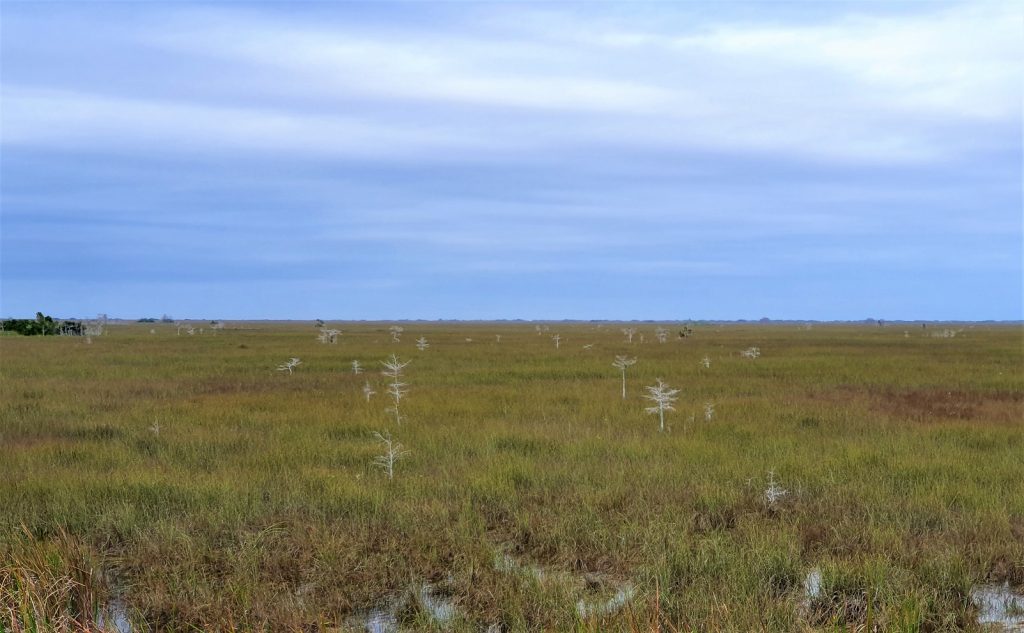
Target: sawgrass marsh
188, 481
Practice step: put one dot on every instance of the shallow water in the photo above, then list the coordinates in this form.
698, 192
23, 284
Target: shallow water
114, 618
384, 619
506, 564
812, 591
812, 584
998, 605
591, 609
380, 621
441, 610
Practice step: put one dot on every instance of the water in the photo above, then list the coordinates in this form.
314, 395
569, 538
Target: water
114, 618
586, 609
441, 610
591, 609
380, 621
812, 591
506, 564
812, 584
1000, 606
384, 619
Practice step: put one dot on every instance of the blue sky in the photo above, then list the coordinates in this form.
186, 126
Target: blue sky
512, 160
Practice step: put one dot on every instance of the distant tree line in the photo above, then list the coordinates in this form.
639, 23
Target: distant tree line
43, 325
164, 319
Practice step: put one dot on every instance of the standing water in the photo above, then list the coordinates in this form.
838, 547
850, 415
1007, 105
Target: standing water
999, 606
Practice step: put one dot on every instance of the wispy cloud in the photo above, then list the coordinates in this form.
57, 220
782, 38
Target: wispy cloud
49, 118
856, 87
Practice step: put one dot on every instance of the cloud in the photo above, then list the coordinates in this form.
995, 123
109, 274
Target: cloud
930, 85
577, 153
408, 66
55, 118
963, 61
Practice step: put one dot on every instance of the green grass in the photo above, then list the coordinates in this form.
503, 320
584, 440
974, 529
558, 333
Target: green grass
256, 507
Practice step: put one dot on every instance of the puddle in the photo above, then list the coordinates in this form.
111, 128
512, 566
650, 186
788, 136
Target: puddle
812, 591
114, 618
506, 564
384, 619
999, 606
812, 584
441, 610
612, 605
380, 621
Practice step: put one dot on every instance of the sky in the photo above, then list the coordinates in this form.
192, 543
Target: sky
534, 160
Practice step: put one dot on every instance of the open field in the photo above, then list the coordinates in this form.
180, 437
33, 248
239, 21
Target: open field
187, 481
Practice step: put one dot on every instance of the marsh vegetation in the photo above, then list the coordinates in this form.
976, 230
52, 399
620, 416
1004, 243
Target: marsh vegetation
534, 496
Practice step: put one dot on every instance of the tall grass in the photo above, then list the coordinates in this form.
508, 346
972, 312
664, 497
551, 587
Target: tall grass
58, 585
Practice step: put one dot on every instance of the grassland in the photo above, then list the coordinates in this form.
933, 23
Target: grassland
184, 477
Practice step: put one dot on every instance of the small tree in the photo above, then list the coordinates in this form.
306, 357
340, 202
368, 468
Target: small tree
629, 332
393, 451
396, 389
94, 328
289, 365
774, 492
422, 344
368, 390
622, 362
557, 338
393, 367
328, 335
663, 397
